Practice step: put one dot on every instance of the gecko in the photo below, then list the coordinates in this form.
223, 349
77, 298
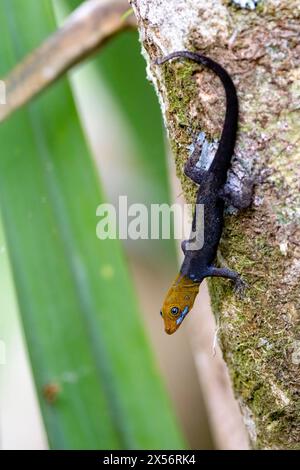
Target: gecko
199, 262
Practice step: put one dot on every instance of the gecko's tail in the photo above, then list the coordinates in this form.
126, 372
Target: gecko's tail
225, 150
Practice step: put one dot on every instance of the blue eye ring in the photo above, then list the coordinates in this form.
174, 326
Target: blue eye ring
174, 311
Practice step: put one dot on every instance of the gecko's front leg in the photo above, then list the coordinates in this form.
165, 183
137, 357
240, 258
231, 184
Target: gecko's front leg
239, 284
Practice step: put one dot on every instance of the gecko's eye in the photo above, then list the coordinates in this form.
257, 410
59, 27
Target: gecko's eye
161, 313
174, 310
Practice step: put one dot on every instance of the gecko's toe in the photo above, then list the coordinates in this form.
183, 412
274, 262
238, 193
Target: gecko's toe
240, 287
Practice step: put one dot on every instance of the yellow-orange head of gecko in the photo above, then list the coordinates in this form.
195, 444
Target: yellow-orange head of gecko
178, 302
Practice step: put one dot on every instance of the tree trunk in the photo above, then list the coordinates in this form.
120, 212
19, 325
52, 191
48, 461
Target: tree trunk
259, 334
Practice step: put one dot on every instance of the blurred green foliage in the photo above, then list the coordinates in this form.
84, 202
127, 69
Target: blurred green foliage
76, 299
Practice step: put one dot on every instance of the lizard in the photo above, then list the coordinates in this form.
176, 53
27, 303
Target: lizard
199, 259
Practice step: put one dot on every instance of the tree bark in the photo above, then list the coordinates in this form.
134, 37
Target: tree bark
259, 334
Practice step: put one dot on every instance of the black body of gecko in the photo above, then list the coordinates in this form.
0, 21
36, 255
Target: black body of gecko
198, 261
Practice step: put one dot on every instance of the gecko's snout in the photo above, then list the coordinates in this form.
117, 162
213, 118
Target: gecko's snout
170, 330
173, 318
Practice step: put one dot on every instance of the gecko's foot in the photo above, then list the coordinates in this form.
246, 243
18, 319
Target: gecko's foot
193, 172
240, 197
240, 287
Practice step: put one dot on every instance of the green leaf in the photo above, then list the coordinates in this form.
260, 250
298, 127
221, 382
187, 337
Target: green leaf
78, 308
120, 68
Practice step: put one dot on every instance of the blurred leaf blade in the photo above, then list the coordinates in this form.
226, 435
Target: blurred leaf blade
121, 67
77, 304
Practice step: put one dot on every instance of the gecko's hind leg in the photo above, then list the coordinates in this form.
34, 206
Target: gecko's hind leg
239, 285
192, 171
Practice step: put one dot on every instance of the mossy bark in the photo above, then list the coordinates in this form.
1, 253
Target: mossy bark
259, 335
